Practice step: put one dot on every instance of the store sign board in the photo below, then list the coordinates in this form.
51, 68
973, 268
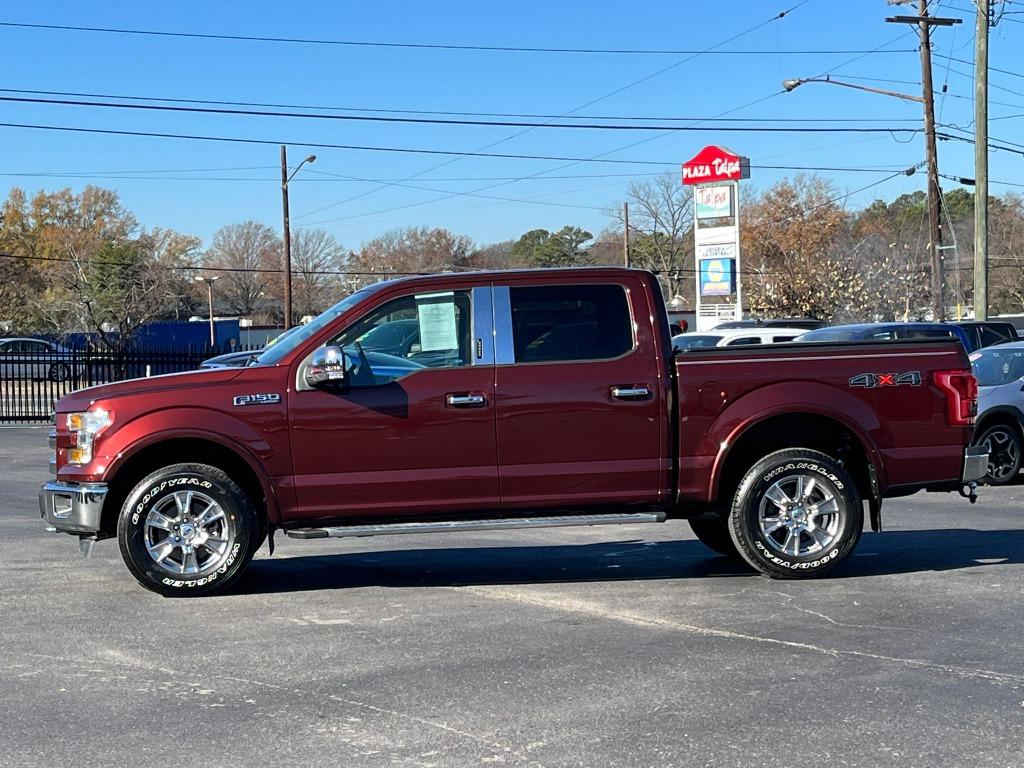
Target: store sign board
715, 164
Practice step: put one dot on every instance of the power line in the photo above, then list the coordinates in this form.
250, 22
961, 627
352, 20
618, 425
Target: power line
220, 102
578, 108
430, 46
971, 64
334, 272
448, 121
315, 145
339, 178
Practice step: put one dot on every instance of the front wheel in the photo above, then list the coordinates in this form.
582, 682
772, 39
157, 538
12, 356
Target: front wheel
797, 514
1004, 453
187, 529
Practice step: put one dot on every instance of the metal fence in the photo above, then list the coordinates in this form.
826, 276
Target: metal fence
32, 383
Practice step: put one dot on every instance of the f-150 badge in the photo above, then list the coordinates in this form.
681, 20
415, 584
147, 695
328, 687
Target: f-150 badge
873, 380
262, 399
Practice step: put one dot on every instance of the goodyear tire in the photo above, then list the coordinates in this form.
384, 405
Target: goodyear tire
797, 514
186, 530
713, 532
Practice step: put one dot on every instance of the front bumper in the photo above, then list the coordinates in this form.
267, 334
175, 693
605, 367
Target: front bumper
975, 464
73, 508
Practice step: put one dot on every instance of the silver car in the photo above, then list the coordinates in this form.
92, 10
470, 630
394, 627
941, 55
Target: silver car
1000, 374
27, 359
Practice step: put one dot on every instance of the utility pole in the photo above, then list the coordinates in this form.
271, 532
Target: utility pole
981, 162
625, 234
924, 22
287, 240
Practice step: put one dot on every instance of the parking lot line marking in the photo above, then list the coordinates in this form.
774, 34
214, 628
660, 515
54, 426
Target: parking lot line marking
599, 611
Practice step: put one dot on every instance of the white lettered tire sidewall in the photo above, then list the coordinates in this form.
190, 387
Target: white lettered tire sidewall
156, 487
746, 531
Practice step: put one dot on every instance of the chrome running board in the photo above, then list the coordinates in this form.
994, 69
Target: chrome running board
454, 526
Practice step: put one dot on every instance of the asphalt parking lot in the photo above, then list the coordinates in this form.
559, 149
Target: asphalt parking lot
631, 646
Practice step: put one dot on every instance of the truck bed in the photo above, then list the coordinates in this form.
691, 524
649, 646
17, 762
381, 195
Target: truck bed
883, 394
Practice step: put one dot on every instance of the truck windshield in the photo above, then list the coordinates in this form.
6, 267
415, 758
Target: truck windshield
272, 355
994, 367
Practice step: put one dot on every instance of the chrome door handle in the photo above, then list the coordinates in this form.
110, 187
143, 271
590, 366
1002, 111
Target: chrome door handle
473, 400
631, 393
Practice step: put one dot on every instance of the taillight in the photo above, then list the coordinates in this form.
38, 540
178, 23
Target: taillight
961, 390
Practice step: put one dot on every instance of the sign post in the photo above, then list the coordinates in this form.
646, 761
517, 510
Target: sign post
715, 173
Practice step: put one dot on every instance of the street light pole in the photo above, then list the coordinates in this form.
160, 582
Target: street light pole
285, 178
209, 297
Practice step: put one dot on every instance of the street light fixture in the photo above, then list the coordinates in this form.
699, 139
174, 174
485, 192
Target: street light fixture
209, 294
790, 85
285, 178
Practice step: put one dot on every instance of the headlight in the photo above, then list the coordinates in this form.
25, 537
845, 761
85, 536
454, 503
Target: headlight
84, 427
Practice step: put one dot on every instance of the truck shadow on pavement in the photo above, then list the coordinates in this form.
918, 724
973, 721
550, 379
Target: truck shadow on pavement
882, 554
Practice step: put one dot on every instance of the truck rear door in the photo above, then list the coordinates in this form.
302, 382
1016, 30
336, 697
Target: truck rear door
580, 404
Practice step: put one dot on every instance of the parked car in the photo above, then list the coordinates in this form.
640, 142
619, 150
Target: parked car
888, 332
771, 458
734, 337
999, 370
30, 359
807, 323
985, 333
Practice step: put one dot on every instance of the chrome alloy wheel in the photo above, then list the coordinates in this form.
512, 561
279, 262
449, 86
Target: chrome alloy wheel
1003, 459
799, 516
187, 532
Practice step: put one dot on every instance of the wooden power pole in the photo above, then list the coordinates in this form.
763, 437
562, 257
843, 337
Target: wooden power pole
625, 234
287, 240
981, 162
924, 22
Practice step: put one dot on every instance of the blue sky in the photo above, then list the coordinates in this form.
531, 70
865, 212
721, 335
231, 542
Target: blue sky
204, 185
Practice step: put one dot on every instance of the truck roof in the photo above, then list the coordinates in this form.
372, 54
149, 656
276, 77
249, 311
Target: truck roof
555, 273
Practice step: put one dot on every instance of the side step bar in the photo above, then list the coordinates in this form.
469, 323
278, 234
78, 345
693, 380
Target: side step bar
453, 526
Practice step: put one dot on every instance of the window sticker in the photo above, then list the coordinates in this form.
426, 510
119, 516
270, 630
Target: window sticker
438, 326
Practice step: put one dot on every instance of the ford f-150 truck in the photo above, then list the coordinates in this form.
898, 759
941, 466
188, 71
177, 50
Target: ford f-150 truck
510, 400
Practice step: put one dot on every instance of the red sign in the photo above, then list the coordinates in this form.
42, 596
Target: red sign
713, 164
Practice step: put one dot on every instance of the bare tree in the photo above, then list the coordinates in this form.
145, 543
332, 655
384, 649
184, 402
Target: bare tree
317, 257
413, 249
241, 251
661, 230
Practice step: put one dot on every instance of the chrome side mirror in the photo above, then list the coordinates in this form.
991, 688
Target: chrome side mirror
326, 368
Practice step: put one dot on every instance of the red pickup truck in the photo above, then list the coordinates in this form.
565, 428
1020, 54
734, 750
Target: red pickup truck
494, 400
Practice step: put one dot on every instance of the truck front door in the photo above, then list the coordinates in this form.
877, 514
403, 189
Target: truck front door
413, 432
580, 405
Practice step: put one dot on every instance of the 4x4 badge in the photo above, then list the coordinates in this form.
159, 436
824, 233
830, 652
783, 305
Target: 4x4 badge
872, 380
263, 399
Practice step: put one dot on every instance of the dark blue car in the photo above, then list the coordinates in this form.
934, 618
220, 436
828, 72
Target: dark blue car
889, 331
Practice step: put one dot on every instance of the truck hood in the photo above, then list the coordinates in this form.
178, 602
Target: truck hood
83, 398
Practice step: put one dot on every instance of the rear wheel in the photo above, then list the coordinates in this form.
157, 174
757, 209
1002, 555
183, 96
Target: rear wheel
187, 529
713, 533
1004, 453
797, 514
